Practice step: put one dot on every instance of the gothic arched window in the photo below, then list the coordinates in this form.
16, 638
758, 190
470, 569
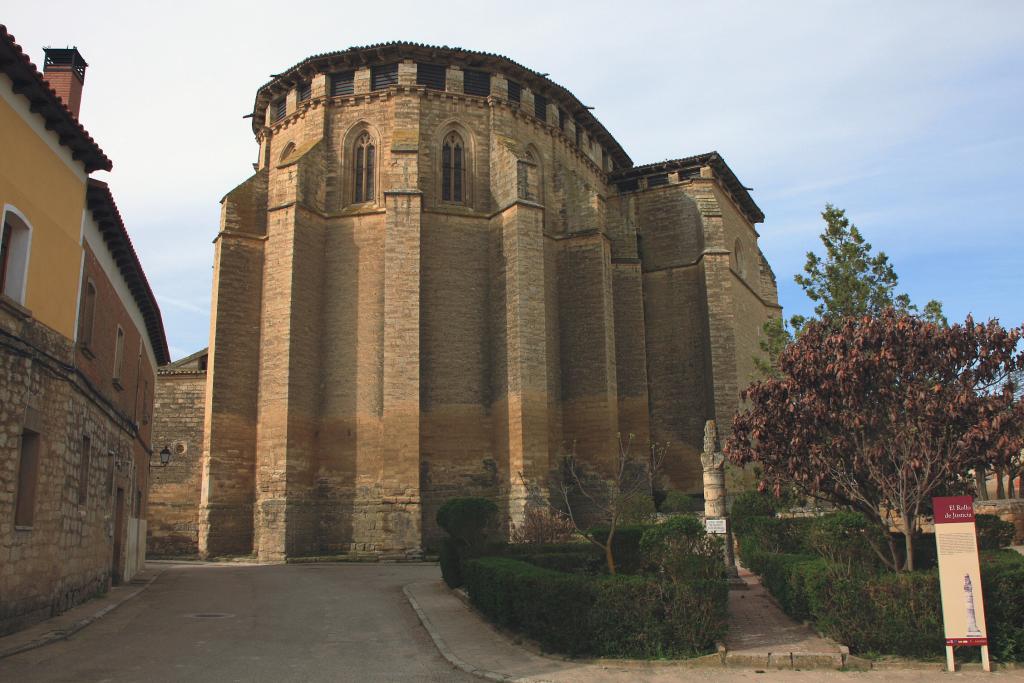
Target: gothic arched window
364, 168
453, 169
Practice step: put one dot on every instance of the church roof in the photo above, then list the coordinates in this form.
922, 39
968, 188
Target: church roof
732, 184
383, 53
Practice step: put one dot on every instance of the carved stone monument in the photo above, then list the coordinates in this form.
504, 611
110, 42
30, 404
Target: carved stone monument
713, 461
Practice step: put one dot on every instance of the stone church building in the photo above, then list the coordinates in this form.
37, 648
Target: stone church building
443, 273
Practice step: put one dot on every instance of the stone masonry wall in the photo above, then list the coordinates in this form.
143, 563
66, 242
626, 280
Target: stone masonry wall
370, 360
173, 521
64, 554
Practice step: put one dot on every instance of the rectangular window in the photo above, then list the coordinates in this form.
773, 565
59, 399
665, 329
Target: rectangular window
628, 185
280, 108
305, 91
383, 76
561, 120
515, 92
87, 314
431, 76
28, 475
476, 83
656, 180
604, 160
342, 83
540, 107
118, 355
83, 470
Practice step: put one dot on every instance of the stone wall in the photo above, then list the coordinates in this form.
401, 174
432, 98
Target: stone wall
1011, 510
89, 459
174, 494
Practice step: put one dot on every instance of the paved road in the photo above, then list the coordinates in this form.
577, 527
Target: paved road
326, 622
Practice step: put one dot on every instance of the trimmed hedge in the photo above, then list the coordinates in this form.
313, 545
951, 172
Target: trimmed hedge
578, 562
467, 519
875, 611
677, 501
993, 533
610, 616
468, 522
451, 562
625, 546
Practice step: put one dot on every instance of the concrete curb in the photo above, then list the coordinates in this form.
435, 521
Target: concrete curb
450, 656
76, 626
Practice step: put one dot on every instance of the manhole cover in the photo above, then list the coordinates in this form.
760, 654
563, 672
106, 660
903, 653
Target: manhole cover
210, 615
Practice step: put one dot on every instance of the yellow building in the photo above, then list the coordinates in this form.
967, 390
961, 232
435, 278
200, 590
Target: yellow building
80, 339
47, 156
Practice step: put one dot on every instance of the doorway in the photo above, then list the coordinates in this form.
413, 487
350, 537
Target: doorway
115, 572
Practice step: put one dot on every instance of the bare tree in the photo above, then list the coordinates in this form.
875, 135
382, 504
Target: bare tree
610, 499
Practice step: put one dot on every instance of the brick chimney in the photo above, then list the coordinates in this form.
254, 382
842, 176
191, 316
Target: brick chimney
64, 70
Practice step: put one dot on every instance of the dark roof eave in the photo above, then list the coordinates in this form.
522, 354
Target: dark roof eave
104, 210
30, 84
732, 184
383, 52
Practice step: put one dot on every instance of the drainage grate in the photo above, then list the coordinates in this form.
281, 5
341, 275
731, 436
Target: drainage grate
210, 615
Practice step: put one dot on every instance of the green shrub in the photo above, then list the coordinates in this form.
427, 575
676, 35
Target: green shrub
753, 504
774, 535
888, 612
845, 537
468, 520
625, 547
612, 616
451, 562
1002, 585
993, 533
679, 502
584, 561
682, 550
638, 510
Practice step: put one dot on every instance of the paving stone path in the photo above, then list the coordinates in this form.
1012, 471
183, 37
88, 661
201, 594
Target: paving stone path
757, 625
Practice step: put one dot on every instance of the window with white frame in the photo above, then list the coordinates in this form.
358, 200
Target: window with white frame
15, 241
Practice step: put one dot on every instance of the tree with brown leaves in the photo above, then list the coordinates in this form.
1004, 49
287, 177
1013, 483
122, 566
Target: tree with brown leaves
878, 414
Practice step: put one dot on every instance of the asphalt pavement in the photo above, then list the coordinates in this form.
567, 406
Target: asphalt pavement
234, 622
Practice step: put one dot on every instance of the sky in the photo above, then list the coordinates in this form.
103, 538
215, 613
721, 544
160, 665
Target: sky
906, 114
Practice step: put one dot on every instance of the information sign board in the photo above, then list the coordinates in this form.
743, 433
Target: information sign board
715, 525
963, 609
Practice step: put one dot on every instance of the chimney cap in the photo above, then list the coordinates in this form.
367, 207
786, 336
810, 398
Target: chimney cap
65, 57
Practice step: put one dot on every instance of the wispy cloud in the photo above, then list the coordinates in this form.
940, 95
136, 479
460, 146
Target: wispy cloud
201, 308
906, 114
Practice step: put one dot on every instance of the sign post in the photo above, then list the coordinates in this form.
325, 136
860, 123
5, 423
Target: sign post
963, 609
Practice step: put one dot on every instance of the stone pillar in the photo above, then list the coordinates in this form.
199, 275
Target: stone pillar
713, 461
399, 520
230, 413
522, 428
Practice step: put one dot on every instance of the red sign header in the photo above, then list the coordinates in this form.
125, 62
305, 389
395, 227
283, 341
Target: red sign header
953, 509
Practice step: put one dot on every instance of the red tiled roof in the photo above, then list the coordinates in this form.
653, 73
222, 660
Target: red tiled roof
30, 84
104, 211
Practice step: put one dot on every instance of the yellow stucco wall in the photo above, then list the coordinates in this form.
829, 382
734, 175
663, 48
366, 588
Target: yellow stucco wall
51, 195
